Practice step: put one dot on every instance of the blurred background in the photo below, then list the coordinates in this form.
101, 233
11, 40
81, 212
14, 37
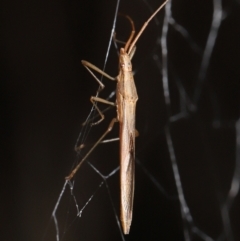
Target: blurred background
45, 94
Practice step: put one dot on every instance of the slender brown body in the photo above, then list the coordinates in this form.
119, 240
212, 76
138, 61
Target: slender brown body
126, 107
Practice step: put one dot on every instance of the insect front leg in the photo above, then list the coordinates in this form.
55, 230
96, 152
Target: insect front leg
90, 66
93, 99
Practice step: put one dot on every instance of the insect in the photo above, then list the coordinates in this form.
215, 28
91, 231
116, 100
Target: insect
126, 98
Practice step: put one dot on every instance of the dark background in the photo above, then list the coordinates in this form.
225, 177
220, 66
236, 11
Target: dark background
45, 97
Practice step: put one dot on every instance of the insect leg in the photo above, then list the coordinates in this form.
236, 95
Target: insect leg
90, 66
94, 99
71, 175
117, 138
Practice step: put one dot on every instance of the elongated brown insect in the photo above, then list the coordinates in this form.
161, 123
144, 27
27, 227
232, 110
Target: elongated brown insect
126, 98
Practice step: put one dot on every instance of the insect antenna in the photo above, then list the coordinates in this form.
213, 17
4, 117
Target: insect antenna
143, 28
127, 44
